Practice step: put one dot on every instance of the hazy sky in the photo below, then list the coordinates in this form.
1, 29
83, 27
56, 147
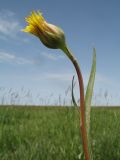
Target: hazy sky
26, 62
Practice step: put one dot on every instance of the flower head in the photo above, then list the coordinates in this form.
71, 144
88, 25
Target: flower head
50, 35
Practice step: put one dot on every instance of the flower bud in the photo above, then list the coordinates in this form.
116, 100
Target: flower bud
50, 35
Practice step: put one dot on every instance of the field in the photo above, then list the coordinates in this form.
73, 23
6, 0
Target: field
51, 133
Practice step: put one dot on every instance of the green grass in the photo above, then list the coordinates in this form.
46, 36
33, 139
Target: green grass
31, 133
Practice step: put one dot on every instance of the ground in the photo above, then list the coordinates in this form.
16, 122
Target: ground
53, 133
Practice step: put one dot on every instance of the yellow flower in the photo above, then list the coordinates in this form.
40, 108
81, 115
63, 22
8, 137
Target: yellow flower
50, 35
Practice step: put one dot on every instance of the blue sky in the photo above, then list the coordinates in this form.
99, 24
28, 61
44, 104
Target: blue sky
26, 62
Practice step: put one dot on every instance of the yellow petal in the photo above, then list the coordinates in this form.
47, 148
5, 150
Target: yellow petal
31, 29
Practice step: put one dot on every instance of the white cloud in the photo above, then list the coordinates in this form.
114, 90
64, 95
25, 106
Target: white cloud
59, 76
104, 79
11, 58
5, 13
9, 26
63, 77
99, 78
52, 56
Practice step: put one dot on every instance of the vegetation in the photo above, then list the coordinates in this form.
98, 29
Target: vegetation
53, 133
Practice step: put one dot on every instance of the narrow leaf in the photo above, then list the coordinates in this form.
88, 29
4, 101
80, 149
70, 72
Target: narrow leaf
73, 98
88, 99
89, 91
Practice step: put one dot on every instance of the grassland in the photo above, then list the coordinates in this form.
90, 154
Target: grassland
49, 133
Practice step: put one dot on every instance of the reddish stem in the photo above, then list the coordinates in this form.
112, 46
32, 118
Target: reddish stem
82, 104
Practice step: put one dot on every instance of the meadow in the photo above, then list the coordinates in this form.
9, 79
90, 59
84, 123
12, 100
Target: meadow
53, 133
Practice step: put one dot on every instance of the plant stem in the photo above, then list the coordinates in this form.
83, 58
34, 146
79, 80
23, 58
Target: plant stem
82, 103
